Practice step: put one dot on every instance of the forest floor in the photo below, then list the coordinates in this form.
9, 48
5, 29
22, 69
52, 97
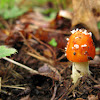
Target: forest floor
50, 78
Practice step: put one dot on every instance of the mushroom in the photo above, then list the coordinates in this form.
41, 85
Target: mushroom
79, 50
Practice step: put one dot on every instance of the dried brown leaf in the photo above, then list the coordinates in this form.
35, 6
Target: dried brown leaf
80, 99
95, 4
83, 14
47, 36
92, 97
26, 98
50, 71
47, 53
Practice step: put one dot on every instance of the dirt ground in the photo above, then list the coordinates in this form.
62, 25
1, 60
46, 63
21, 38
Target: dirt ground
50, 78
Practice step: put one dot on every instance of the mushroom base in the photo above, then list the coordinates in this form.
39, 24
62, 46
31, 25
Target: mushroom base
79, 69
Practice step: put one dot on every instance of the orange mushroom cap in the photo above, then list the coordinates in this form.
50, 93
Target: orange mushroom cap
80, 46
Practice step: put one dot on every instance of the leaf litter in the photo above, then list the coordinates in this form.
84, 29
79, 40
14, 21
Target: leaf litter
31, 35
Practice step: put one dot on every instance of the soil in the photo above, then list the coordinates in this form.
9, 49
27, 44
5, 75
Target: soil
53, 80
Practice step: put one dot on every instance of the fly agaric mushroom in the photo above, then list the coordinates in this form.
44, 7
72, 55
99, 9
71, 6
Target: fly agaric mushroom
80, 49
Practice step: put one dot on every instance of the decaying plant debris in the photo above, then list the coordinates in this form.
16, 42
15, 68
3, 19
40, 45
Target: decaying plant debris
50, 77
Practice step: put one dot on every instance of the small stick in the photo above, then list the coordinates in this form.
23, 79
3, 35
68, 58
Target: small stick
21, 65
54, 94
0, 84
46, 46
29, 45
41, 58
16, 87
32, 71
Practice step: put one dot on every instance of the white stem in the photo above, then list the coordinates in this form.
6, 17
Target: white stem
79, 69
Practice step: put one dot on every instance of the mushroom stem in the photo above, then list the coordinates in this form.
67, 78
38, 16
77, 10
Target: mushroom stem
79, 69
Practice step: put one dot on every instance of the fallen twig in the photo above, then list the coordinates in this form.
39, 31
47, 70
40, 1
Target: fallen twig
54, 93
32, 71
41, 58
0, 84
16, 87
21, 65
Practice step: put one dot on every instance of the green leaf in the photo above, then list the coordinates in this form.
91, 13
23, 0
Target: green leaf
98, 24
10, 8
98, 49
5, 51
53, 42
50, 17
13, 12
